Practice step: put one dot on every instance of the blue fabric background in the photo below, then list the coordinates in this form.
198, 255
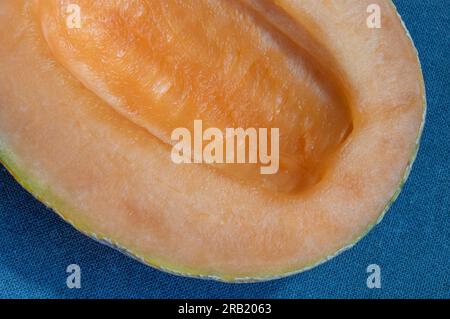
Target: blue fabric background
412, 244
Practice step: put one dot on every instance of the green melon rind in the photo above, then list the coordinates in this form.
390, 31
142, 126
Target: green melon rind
44, 194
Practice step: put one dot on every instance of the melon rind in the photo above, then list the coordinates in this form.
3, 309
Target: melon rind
44, 194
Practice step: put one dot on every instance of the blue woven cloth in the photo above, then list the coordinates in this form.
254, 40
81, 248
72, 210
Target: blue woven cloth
411, 245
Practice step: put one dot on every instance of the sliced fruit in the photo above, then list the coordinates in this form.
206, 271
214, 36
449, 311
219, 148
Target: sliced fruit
226, 65
86, 116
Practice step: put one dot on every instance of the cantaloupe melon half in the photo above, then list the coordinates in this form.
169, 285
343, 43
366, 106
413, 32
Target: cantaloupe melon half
86, 115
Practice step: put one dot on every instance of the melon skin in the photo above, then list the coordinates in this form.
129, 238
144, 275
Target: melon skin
57, 205
43, 192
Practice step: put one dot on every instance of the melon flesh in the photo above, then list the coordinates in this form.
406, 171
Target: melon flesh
86, 116
226, 65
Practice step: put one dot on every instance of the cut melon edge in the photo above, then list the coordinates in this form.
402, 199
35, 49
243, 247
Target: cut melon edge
44, 194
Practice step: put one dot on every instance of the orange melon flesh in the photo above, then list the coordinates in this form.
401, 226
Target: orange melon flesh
167, 64
86, 116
